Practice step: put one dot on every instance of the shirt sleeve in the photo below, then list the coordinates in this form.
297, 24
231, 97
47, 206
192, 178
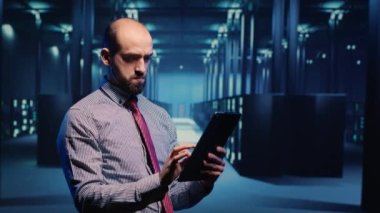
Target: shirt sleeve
187, 194
81, 160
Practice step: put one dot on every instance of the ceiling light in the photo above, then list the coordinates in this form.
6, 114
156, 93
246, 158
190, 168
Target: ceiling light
332, 5
40, 5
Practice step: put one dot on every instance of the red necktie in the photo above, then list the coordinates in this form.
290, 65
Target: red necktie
152, 157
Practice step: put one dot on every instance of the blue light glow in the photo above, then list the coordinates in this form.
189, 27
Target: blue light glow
132, 13
15, 103
97, 51
332, 4
150, 26
216, 27
136, 4
156, 41
229, 4
39, 5
54, 51
7, 31
16, 132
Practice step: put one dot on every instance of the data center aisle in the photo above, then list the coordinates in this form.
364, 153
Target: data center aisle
25, 187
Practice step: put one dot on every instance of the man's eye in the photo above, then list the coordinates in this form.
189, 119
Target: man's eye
134, 58
131, 58
147, 58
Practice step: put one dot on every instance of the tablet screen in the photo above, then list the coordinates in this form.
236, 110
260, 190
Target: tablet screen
216, 134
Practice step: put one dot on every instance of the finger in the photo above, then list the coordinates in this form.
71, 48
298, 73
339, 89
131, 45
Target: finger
184, 146
184, 161
220, 151
184, 152
210, 174
181, 147
213, 167
181, 155
175, 161
212, 158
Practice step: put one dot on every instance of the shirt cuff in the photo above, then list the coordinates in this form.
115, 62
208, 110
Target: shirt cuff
200, 189
148, 184
207, 187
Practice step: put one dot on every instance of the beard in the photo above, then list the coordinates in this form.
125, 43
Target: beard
131, 87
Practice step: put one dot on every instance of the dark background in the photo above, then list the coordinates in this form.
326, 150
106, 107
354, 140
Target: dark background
303, 74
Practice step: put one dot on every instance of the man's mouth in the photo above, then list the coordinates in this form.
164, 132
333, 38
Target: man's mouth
140, 79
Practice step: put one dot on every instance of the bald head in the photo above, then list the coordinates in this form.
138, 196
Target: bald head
127, 53
125, 32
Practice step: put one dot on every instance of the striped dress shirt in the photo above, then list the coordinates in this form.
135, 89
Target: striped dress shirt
104, 159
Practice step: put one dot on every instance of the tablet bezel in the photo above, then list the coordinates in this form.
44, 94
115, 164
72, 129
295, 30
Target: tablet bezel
217, 132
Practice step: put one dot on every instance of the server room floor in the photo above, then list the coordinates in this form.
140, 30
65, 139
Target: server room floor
26, 187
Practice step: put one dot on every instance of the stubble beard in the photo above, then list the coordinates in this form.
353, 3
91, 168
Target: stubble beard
132, 88
127, 85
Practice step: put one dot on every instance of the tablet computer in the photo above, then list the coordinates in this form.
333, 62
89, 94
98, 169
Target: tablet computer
216, 134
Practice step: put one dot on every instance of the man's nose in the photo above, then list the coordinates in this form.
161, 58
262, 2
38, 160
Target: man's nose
141, 66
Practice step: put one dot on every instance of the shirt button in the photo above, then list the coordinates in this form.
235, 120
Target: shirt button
120, 101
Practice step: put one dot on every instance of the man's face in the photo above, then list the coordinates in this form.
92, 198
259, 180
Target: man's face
130, 61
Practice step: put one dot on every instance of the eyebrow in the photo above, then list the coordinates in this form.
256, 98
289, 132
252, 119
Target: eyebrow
136, 54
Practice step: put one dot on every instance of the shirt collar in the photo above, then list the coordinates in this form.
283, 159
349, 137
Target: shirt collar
115, 93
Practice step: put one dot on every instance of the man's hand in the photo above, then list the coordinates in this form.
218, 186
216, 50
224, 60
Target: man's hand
173, 165
213, 167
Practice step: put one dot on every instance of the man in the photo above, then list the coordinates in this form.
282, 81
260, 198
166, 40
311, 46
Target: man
105, 152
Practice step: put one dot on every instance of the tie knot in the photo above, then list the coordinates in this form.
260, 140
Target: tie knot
132, 103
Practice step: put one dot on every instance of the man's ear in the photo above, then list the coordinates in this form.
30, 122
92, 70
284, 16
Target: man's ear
105, 55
